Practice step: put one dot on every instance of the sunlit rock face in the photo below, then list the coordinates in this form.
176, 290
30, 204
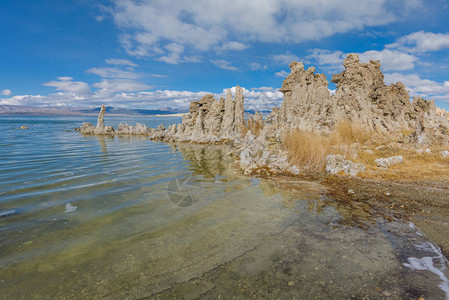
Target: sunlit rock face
307, 104
210, 120
361, 98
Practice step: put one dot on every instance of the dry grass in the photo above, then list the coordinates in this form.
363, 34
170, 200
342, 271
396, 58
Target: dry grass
347, 133
308, 150
252, 124
415, 167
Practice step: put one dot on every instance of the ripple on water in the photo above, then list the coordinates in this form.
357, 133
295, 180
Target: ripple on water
90, 216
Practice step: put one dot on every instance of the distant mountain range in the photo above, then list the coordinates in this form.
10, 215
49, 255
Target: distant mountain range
15, 110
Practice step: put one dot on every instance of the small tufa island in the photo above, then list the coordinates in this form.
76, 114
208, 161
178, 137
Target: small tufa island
365, 128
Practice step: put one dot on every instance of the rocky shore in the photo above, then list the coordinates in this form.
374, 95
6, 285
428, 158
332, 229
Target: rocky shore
392, 172
362, 98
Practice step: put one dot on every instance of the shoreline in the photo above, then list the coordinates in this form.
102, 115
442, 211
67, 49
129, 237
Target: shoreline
90, 115
425, 203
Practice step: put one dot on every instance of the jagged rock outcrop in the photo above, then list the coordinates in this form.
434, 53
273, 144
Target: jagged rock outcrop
307, 104
257, 157
209, 120
122, 129
364, 98
361, 97
138, 129
100, 121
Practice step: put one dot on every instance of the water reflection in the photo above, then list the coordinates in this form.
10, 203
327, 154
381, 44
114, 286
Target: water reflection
245, 237
209, 161
102, 141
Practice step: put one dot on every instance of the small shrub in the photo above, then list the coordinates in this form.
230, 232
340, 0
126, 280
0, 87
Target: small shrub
347, 133
307, 150
252, 124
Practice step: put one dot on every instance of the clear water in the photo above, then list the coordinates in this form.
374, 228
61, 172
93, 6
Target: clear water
96, 217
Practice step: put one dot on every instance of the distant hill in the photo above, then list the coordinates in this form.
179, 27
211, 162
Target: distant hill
17, 110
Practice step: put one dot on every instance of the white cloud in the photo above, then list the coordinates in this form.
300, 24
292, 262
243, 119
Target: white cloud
6, 92
120, 85
390, 59
159, 76
224, 64
422, 41
120, 62
146, 100
327, 57
260, 99
200, 25
99, 18
237, 46
66, 84
174, 54
421, 87
112, 73
285, 59
257, 66
282, 73
65, 78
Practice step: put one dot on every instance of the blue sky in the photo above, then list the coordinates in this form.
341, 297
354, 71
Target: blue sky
165, 53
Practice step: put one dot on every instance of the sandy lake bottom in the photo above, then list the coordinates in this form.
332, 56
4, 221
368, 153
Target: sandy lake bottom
95, 217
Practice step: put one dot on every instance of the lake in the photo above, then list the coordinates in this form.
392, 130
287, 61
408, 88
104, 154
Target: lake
125, 218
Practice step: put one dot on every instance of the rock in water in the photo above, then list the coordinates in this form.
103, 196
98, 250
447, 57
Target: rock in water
100, 121
361, 97
70, 208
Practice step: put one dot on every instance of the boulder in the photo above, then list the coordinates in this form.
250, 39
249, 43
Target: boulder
385, 163
337, 163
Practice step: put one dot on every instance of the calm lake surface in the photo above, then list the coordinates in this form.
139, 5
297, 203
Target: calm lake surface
86, 217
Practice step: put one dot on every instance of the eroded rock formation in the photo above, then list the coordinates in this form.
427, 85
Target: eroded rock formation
209, 120
361, 97
100, 121
307, 103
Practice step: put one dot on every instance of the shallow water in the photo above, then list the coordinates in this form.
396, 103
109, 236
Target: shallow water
96, 217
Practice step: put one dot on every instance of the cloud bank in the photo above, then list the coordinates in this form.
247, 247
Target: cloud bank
170, 30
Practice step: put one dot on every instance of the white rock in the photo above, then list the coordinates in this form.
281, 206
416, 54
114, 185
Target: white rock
420, 151
294, 170
70, 208
388, 162
337, 163
444, 153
